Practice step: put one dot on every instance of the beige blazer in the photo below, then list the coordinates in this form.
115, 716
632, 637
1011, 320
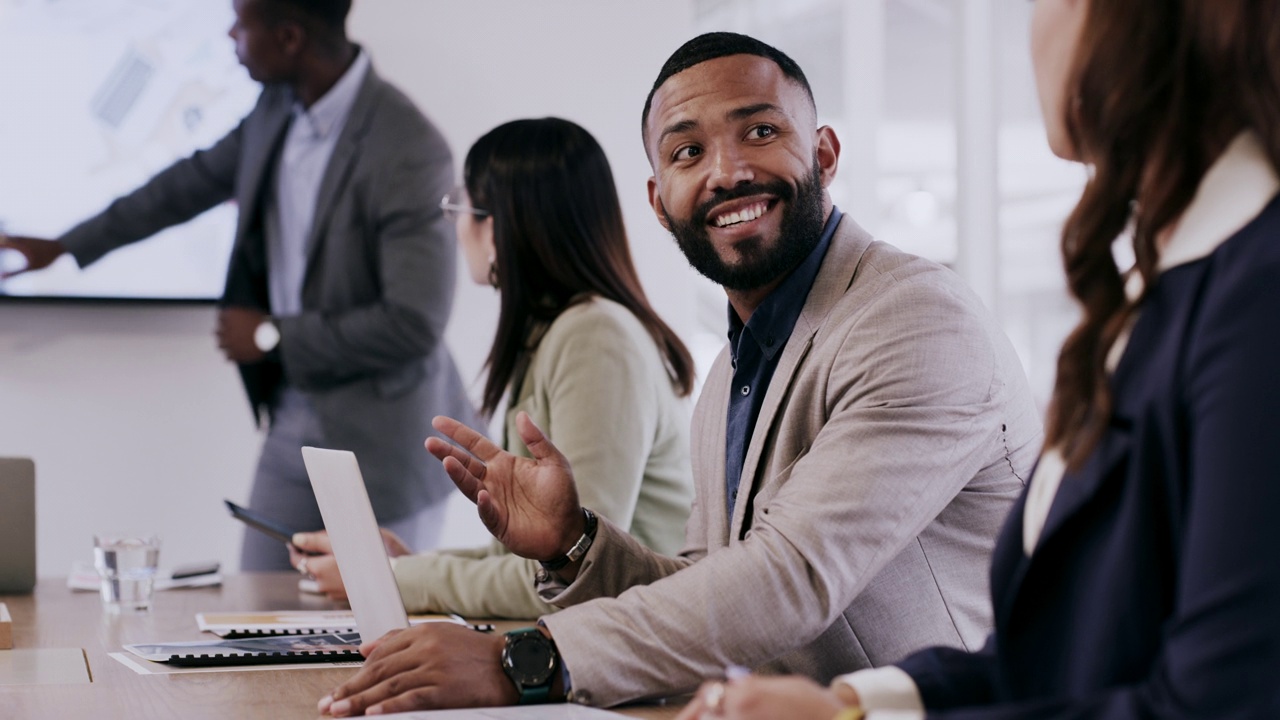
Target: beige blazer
895, 434
598, 387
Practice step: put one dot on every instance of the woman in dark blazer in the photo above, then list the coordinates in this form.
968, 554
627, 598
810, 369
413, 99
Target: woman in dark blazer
1135, 578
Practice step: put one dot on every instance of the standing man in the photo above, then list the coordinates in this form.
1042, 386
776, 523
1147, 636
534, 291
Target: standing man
342, 273
855, 449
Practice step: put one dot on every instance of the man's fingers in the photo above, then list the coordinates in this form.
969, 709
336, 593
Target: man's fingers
469, 484
381, 695
423, 698
442, 450
490, 513
539, 446
696, 706
313, 541
475, 443
383, 674
392, 641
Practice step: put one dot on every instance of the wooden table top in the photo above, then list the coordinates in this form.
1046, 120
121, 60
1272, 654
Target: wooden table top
56, 617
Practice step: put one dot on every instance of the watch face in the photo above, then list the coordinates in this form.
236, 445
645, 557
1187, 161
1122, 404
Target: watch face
529, 659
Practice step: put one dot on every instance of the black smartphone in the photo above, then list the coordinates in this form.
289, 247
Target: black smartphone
263, 524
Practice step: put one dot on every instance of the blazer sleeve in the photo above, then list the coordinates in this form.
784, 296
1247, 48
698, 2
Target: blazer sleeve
910, 418
1222, 644
408, 167
478, 582
175, 195
950, 677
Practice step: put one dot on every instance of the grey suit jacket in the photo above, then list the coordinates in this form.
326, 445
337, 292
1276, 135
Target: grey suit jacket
896, 432
368, 348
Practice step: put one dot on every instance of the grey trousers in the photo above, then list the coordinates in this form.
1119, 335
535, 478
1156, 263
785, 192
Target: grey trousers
282, 491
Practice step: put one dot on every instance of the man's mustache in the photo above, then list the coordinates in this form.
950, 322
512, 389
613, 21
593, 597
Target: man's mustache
779, 188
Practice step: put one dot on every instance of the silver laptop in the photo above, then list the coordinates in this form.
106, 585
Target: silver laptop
17, 525
357, 544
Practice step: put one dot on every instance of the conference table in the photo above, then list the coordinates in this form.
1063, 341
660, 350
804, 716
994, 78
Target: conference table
56, 617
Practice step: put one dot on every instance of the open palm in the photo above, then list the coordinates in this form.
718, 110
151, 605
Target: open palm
529, 505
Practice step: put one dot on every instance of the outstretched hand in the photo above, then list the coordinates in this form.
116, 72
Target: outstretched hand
39, 253
529, 505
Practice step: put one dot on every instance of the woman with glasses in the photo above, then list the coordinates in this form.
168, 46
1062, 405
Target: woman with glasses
578, 347
1134, 579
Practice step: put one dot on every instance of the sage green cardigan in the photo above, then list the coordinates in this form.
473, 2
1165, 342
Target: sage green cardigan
598, 387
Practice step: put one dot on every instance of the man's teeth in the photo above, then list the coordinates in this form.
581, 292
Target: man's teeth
751, 212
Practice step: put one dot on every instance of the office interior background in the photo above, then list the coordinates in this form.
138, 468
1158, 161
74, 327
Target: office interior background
136, 422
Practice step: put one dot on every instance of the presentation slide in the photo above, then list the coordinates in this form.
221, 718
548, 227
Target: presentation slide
96, 96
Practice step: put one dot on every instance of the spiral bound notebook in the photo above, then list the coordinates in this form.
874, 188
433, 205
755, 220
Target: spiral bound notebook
331, 647
229, 625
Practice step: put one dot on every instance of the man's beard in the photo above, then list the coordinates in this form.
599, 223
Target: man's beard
798, 234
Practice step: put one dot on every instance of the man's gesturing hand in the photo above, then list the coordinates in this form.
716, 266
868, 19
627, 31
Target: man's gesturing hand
530, 505
39, 253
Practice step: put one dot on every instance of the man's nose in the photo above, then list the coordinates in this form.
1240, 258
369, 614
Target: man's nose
729, 167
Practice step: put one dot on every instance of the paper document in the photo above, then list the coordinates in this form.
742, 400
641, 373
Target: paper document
254, 651
143, 667
44, 666
294, 622
554, 711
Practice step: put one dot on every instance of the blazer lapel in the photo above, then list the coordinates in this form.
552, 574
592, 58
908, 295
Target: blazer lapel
341, 164
258, 154
834, 278
1078, 488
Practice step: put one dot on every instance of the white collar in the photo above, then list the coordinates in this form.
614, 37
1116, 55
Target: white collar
1233, 192
332, 108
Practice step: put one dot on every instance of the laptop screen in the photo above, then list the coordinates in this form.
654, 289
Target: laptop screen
357, 544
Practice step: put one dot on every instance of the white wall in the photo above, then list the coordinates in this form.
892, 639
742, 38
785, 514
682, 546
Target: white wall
131, 415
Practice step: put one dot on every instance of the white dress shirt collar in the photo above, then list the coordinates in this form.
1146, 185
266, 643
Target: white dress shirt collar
1233, 192
328, 114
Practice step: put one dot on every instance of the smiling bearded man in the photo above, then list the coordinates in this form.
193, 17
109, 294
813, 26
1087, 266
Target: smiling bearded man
800, 233
856, 447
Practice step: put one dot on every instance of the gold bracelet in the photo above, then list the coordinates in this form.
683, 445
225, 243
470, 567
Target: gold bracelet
853, 712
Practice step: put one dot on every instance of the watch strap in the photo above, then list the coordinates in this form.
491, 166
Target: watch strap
535, 695
580, 548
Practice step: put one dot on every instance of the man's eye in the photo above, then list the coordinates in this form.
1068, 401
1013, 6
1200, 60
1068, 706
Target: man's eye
761, 131
687, 152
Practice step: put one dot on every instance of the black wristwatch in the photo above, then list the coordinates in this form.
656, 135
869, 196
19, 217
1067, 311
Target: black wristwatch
579, 548
530, 660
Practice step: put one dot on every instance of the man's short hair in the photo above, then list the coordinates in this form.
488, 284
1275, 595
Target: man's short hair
331, 14
712, 45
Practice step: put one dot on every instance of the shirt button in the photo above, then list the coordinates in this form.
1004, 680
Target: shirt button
746, 390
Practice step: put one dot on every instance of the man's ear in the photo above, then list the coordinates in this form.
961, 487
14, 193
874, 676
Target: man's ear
655, 201
292, 37
828, 154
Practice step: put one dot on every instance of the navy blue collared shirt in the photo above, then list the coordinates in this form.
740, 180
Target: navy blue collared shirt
755, 349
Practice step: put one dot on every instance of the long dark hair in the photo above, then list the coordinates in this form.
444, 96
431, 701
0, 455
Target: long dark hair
1158, 90
559, 240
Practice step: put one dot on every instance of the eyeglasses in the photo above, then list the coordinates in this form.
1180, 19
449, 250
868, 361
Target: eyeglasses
455, 204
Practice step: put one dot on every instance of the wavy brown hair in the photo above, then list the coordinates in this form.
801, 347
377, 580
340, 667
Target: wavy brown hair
1157, 91
559, 240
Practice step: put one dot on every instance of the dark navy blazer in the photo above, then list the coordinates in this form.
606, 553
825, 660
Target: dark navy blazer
1154, 590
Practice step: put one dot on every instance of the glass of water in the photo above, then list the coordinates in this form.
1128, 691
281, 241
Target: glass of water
126, 564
